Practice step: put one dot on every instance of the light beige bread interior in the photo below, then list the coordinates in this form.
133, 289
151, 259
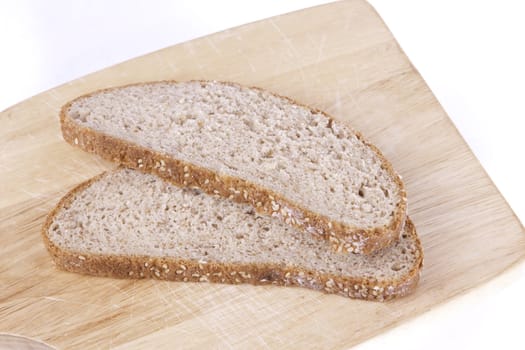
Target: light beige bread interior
129, 224
285, 159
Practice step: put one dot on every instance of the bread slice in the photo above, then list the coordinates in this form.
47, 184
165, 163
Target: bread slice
285, 159
129, 224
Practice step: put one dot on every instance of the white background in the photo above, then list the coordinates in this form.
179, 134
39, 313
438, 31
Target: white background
471, 53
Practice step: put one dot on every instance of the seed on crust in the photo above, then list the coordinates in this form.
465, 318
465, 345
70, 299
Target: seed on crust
245, 275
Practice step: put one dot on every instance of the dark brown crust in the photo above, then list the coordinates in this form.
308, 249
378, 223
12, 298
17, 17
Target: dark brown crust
343, 237
172, 269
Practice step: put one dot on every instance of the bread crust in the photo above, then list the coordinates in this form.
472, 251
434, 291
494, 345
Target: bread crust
182, 270
343, 237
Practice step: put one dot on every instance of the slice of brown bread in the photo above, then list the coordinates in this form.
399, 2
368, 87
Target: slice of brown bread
285, 159
129, 224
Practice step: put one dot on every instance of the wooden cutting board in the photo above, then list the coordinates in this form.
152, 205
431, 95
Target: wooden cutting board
339, 57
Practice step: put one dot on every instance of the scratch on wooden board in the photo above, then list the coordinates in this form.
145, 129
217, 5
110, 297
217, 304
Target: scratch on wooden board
188, 45
173, 67
99, 163
172, 293
275, 338
121, 290
54, 95
74, 169
212, 325
32, 194
355, 103
76, 82
183, 306
31, 136
356, 75
161, 60
328, 331
263, 342
335, 108
171, 290
240, 53
167, 61
320, 50
62, 300
3, 149
54, 105
213, 46
41, 210
123, 73
3, 163
161, 296
131, 315
284, 36
292, 48
202, 67
219, 329
53, 298
42, 180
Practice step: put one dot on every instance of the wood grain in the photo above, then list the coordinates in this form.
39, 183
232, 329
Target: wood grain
338, 57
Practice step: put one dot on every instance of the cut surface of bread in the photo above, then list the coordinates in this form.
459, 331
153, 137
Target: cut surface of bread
285, 159
129, 224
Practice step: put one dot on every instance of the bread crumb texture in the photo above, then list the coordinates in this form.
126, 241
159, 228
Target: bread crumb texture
251, 134
130, 224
